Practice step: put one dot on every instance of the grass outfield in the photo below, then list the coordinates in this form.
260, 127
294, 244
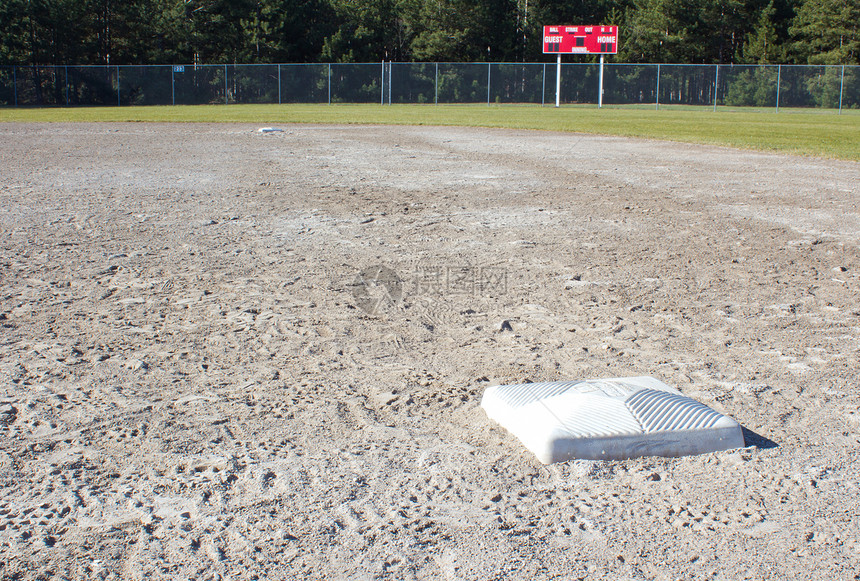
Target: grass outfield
818, 133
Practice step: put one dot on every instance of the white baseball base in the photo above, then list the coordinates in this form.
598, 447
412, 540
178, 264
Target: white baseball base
609, 419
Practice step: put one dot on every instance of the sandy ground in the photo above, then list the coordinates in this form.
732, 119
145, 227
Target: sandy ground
203, 374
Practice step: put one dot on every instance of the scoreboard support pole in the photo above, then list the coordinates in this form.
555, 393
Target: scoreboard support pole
600, 87
558, 82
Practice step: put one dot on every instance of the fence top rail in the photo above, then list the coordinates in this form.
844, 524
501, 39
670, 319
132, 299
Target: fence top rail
482, 63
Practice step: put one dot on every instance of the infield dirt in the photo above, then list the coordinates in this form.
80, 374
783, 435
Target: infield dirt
206, 372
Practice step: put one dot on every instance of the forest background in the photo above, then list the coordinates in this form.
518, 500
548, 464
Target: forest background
109, 32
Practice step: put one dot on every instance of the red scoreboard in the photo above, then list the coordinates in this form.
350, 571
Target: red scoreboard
580, 39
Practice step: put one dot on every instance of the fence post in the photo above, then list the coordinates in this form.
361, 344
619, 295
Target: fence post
841, 86
543, 87
67, 84
15, 84
488, 83
716, 86
657, 99
436, 85
778, 80
117, 86
382, 85
329, 83
390, 66
279, 84
173, 85
226, 87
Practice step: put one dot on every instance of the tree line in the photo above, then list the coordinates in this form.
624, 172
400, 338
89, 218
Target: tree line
117, 32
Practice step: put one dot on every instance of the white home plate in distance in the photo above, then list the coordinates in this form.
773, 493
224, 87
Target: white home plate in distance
609, 419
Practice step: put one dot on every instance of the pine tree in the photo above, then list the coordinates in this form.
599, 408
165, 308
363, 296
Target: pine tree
761, 45
827, 32
656, 31
368, 31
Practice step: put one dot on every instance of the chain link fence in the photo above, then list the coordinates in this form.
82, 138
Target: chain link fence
792, 86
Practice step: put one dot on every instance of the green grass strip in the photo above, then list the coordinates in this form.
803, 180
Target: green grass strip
817, 133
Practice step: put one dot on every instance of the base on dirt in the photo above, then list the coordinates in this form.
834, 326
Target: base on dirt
609, 419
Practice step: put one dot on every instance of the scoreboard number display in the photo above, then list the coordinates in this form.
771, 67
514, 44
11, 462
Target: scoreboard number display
580, 39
